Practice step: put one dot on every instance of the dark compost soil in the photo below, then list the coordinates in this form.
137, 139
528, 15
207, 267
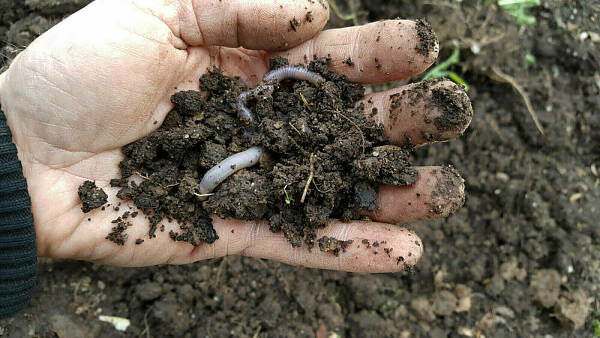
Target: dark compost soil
322, 160
91, 196
521, 259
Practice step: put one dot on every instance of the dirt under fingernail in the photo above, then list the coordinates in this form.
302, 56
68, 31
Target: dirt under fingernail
427, 44
456, 109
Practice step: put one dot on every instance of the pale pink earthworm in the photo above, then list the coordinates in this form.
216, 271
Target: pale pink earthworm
293, 72
243, 111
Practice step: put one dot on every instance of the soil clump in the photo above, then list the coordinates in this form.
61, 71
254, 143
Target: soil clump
323, 158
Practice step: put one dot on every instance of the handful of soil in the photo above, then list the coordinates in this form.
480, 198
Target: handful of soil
322, 158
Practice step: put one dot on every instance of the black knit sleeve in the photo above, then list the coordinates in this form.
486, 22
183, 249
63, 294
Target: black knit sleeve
18, 253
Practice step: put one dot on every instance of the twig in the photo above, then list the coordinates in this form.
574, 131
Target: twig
390, 147
218, 279
357, 127
346, 17
202, 195
291, 125
305, 102
502, 77
310, 177
140, 175
146, 326
257, 332
75, 298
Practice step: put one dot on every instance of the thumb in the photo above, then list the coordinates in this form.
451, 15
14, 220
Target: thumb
252, 24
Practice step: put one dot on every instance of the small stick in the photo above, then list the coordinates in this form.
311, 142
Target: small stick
140, 175
502, 77
258, 329
291, 125
305, 102
387, 147
202, 195
310, 177
218, 279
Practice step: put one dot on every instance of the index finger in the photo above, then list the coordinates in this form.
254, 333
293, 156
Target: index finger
252, 24
377, 52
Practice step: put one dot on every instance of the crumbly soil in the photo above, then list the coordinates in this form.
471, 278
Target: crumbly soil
91, 196
519, 260
323, 158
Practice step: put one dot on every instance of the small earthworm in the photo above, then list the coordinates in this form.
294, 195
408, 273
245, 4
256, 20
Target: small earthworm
293, 72
277, 75
217, 174
243, 111
228, 167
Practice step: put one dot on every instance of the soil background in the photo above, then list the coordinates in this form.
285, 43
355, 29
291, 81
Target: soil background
522, 258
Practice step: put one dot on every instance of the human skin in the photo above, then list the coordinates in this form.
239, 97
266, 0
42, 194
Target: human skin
103, 77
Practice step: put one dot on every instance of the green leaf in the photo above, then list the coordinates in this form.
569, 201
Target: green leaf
596, 324
440, 70
518, 10
530, 58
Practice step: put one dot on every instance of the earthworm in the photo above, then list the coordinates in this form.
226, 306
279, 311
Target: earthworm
217, 174
243, 111
277, 75
293, 72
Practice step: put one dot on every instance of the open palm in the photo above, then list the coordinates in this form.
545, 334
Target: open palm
103, 78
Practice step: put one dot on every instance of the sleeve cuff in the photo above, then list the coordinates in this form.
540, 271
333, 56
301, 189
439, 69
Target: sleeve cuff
18, 253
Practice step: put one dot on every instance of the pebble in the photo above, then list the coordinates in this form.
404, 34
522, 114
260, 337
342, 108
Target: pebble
495, 286
504, 312
422, 308
444, 303
545, 287
148, 291
503, 177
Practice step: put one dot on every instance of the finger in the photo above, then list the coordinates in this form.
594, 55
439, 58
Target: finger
397, 247
377, 52
421, 113
255, 24
437, 193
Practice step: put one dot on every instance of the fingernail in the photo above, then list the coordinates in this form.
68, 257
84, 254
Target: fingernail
455, 108
449, 193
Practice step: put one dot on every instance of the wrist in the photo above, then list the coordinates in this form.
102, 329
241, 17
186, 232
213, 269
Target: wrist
3, 73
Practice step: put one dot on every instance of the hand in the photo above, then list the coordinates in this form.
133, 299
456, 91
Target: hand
103, 77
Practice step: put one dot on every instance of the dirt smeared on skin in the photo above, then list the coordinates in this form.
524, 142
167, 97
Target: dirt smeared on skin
333, 245
412, 97
439, 102
448, 195
294, 24
456, 109
91, 196
428, 41
324, 159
